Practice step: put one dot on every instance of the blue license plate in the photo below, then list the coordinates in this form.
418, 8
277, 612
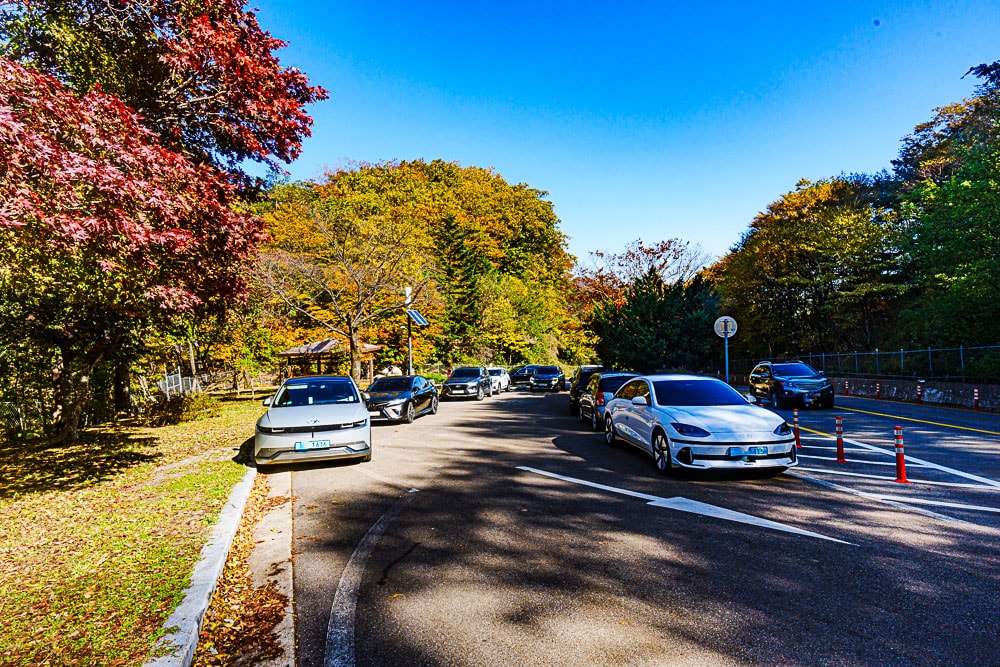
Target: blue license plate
757, 451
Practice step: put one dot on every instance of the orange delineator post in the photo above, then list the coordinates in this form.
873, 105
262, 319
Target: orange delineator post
847, 387
878, 390
900, 458
975, 399
840, 440
798, 439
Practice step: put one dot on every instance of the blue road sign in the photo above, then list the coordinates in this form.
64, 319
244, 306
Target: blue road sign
417, 318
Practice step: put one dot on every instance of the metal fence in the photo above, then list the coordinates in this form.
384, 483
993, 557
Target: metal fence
955, 364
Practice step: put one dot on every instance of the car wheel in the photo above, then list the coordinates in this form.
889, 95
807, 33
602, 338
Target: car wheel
409, 414
610, 439
480, 394
776, 401
434, 405
490, 392
594, 424
661, 453
579, 412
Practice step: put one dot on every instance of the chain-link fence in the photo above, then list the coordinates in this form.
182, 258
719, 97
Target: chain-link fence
953, 364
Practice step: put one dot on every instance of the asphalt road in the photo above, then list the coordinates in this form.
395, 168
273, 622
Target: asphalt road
505, 532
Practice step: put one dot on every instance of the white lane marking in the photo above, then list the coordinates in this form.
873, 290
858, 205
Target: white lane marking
339, 651
943, 503
928, 464
876, 498
845, 473
686, 505
862, 461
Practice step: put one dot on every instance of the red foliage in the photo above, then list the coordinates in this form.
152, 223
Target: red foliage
254, 106
84, 182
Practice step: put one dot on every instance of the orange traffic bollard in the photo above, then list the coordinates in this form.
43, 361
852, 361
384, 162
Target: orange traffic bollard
975, 399
840, 440
900, 458
798, 439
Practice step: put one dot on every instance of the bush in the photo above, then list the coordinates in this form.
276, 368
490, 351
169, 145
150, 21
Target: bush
181, 408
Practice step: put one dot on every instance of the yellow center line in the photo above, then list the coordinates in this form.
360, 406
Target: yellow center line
920, 421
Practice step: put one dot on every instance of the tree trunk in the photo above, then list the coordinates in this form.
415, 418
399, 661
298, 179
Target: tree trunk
355, 338
72, 385
123, 402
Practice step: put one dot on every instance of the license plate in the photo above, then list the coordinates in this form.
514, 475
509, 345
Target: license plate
757, 451
312, 444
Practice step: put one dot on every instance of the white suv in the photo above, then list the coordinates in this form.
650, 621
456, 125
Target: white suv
500, 379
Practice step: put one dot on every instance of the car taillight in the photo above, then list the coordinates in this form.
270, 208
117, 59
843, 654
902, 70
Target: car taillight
599, 399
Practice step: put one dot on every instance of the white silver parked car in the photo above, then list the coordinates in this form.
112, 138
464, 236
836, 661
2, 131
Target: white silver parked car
314, 419
500, 379
690, 421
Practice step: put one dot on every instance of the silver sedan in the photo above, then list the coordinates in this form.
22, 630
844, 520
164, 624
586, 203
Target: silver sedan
314, 419
690, 421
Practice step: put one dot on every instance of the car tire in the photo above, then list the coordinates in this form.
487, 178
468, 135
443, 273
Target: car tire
434, 405
661, 453
409, 414
776, 401
594, 424
579, 413
610, 439
480, 394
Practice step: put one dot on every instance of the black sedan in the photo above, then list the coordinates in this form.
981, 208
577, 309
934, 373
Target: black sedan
791, 384
401, 398
521, 376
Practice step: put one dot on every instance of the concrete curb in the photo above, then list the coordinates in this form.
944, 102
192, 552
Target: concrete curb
184, 624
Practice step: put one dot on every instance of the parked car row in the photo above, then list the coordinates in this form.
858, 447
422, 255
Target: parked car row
681, 421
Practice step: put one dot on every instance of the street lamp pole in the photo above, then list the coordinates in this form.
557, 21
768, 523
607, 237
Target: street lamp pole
409, 333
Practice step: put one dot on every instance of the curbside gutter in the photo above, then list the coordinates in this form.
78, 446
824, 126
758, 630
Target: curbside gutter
184, 624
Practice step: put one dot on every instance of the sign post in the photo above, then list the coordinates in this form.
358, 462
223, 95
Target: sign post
725, 327
411, 317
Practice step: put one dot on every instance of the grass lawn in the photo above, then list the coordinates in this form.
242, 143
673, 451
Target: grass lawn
98, 539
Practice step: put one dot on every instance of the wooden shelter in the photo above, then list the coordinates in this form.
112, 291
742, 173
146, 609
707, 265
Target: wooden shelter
315, 354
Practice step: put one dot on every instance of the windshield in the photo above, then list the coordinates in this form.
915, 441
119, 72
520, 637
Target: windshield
496, 371
548, 370
794, 370
390, 384
325, 391
613, 383
696, 392
465, 373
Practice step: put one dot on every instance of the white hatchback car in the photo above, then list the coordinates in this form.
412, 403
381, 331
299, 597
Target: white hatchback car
314, 419
500, 379
690, 421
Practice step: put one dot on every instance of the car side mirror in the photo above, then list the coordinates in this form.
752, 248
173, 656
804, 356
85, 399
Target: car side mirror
267, 401
640, 400
365, 396
750, 398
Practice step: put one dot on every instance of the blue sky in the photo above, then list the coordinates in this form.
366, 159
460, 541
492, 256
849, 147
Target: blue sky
643, 120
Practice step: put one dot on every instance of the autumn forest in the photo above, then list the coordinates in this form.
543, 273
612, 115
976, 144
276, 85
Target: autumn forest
134, 239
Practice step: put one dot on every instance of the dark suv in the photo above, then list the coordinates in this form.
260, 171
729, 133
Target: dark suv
547, 378
791, 384
468, 381
579, 380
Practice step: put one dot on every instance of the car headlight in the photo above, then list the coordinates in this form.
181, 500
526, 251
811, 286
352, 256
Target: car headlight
396, 401
690, 430
784, 429
264, 429
357, 424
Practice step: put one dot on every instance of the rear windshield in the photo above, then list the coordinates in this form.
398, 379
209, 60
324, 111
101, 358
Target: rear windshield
326, 391
548, 370
465, 373
613, 383
696, 392
794, 370
391, 384
496, 371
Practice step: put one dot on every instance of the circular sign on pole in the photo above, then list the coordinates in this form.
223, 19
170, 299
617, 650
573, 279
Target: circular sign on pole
725, 326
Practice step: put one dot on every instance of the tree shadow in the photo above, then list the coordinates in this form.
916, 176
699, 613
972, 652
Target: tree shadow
43, 465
